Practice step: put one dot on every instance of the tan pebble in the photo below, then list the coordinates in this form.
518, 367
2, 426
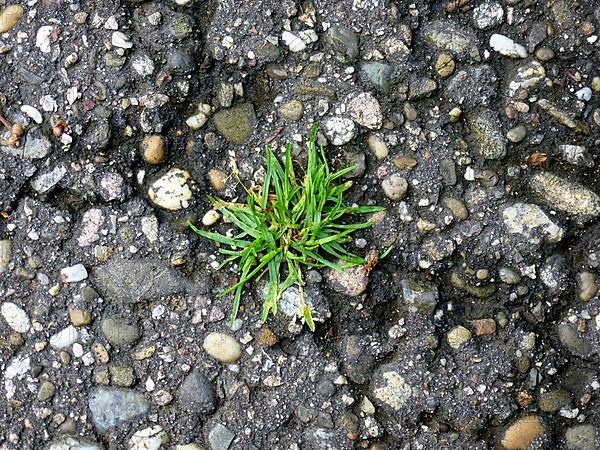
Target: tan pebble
522, 432
218, 179
457, 336
588, 286
405, 162
457, 207
153, 148
9, 17
144, 353
444, 65
100, 352
378, 146
210, 218
483, 326
395, 187
455, 114
79, 317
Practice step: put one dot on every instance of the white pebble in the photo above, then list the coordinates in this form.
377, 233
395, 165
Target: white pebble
210, 218
294, 43
584, 94
42, 38
64, 338
73, 274
16, 318
121, 40
507, 47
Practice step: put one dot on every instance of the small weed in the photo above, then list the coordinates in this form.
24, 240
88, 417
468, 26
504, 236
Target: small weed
287, 225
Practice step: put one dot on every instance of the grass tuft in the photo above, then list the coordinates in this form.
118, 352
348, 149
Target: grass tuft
287, 225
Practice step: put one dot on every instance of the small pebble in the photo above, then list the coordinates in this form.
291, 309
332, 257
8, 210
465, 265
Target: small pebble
153, 149
210, 218
377, 146
10, 17
218, 179
522, 432
544, 54
516, 134
395, 187
73, 274
222, 347
458, 336
444, 65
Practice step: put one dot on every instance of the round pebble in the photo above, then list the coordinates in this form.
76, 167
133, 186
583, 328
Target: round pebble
218, 179
292, 110
210, 218
395, 187
516, 134
444, 65
10, 17
153, 149
378, 146
544, 54
458, 336
222, 347
522, 432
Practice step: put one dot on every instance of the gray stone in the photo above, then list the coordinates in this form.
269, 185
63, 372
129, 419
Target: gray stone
576, 154
351, 281
551, 401
36, 146
120, 331
486, 131
581, 437
366, 111
450, 36
46, 181
196, 393
509, 276
488, 15
571, 339
531, 222
292, 110
421, 87
420, 297
343, 42
236, 124
472, 86
220, 437
516, 134
136, 280
526, 77
112, 407
379, 74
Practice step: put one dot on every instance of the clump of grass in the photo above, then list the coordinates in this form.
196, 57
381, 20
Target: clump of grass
288, 224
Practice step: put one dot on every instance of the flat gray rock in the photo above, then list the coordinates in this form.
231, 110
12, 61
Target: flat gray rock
136, 280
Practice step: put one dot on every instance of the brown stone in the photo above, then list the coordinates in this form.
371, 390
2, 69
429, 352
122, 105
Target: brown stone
218, 179
79, 317
483, 326
405, 162
153, 148
522, 432
267, 338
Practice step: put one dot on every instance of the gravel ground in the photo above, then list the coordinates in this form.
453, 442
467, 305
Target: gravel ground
475, 123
